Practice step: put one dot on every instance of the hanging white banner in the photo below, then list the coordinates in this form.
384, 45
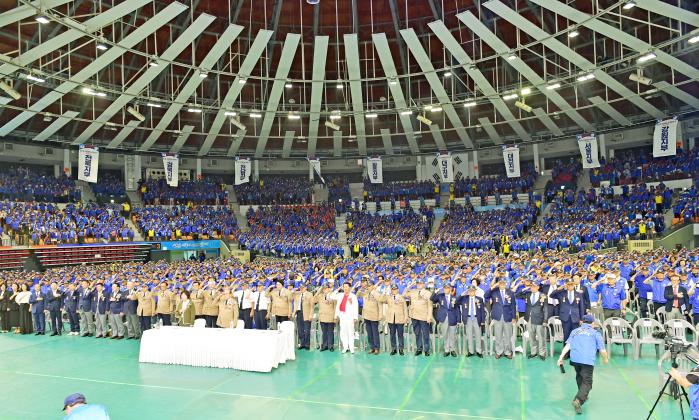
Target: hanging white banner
242, 171
587, 143
315, 167
446, 170
511, 157
375, 170
665, 138
172, 169
88, 158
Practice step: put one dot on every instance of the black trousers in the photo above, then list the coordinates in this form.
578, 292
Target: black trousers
328, 334
210, 321
246, 317
165, 318
74, 320
280, 319
372, 332
643, 307
583, 376
145, 322
303, 329
260, 319
56, 321
568, 327
396, 331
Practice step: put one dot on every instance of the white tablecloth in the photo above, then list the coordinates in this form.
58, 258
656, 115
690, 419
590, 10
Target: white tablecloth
251, 350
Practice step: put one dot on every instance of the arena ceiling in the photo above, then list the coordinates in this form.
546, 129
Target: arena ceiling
272, 78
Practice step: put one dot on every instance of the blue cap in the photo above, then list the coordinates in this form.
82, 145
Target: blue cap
419, 280
73, 399
588, 318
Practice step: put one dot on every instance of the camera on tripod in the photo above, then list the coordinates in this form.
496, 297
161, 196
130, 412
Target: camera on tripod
675, 345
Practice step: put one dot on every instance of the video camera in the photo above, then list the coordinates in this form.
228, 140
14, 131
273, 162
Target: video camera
675, 345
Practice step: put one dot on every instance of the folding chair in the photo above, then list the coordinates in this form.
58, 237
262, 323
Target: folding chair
555, 333
644, 328
618, 331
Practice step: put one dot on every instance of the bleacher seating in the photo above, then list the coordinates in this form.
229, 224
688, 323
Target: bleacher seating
275, 190
20, 183
638, 165
204, 191
398, 232
185, 222
13, 258
402, 190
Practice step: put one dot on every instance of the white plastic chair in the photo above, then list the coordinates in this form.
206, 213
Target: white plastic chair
555, 333
240, 325
618, 330
644, 328
288, 328
661, 315
200, 323
522, 329
679, 328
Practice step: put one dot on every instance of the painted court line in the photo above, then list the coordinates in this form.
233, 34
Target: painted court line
232, 394
633, 387
415, 385
313, 380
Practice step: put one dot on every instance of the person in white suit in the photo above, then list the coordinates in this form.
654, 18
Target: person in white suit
347, 311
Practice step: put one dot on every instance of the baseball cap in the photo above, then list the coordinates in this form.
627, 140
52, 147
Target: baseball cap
588, 318
73, 399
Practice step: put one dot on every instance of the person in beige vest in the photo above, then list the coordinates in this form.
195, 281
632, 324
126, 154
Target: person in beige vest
228, 309
197, 298
372, 314
281, 302
165, 304
303, 303
185, 309
397, 318
421, 314
145, 308
210, 306
326, 316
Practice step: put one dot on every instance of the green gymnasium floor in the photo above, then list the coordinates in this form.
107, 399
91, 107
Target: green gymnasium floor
38, 372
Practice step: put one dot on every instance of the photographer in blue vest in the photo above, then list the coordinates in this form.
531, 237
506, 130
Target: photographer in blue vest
690, 381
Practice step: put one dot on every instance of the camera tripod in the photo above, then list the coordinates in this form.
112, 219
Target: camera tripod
676, 392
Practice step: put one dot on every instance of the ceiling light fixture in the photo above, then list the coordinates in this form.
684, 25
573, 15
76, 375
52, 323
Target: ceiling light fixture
203, 74
335, 117
101, 46
406, 112
510, 96
447, 74
638, 77
436, 109
526, 91
585, 77
154, 64
255, 115
293, 116
694, 39
339, 84
313, 2
371, 115
288, 85
392, 82
573, 33
629, 5
230, 113
194, 110
511, 56
42, 19
34, 78
469, 104
242, 81
553, 86
646, 57
153, 105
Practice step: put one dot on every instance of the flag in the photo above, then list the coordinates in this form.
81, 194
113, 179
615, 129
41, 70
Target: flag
88, 159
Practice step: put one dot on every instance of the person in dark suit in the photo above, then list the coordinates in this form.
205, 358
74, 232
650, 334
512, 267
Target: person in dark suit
571, 307
448, 315
100, 307
38, 303
503, 309
130, 307
70, 305
86, 299
677, 300
473, 316
5, 294
54, 301
537, 314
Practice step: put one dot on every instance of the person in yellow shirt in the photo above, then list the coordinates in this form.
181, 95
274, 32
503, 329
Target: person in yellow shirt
659, 203
642, 229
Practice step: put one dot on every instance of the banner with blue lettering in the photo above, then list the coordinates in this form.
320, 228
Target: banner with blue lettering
172, 169
510, 155
445, 167
665, 138
315, 169
88, 158
375, 170
588, 150
243, 167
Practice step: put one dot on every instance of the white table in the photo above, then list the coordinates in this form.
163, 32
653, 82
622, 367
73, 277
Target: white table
251, 350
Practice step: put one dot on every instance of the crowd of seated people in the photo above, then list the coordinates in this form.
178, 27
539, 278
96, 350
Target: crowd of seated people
185, 222
18, 183
276, 190
204, 191
339, 193
464, 228
32, 223
638, 165
564, 176
496, 185
686, 207
307, 230
400, 190
397, 233
108, 186
600, 220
